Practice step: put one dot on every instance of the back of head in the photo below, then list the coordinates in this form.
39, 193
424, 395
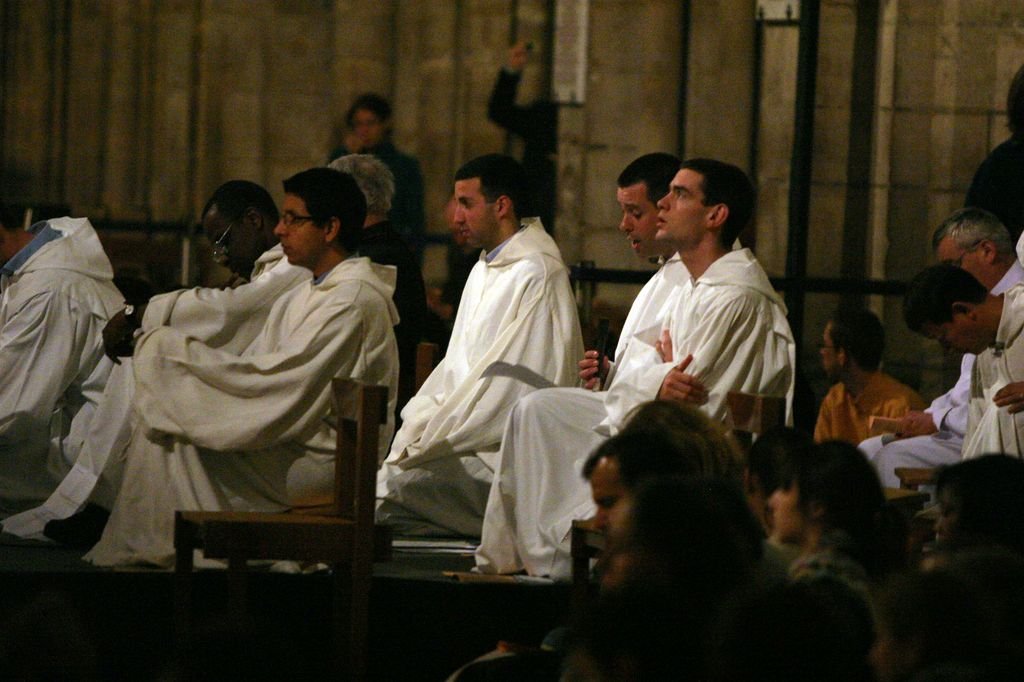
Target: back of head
328, 194
690, 444
931, 618
989, 494
769, 456
1015, 104
789, 631
726, 184
235, 196
500, 175
696, 528
372, 102
969, 226
932, 293
374, 178
655, 171
838, 486
689, 543
860, 334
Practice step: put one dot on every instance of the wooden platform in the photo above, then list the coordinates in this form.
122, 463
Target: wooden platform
423, 624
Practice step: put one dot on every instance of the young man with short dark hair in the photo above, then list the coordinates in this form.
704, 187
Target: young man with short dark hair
254, 431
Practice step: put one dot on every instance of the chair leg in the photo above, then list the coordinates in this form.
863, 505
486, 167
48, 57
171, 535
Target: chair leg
237, 605
184, 543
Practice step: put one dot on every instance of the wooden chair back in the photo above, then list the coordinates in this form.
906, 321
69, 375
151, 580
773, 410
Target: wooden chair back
427, 356
340, 532
749, 415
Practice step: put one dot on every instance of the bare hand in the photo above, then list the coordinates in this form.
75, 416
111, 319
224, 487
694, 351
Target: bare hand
915, 423
589, 370
517, 56
664, 346
1011, 396
680, 387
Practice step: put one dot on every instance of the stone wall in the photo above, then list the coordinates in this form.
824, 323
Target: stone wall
135, 111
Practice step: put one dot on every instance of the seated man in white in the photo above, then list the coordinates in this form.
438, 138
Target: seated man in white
253, 431
949, 305
58, 294
976, 241
729, 332
516, 329
239, 219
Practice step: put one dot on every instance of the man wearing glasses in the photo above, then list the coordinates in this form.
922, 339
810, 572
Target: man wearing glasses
976, 241
239, 219
253, 431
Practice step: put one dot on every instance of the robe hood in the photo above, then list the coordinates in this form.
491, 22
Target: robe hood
267, 260
381, 278
77, 250
740, 268
530, 240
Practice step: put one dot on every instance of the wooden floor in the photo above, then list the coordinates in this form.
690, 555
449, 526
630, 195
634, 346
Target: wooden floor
423, 624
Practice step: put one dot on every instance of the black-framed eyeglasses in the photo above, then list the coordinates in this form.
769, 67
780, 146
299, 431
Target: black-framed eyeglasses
220, 247
289, 218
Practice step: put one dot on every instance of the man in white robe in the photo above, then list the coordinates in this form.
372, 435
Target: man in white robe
976, 241
730, 333
58, 294
254, 431
517, 310
949, 305
239, 219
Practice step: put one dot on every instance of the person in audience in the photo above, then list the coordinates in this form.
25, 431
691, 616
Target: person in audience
931, 621
946, 304
769, 456
660, 439
981, 503
382, 244
788, 631
369, 132
689, 543
57, 295
831, 505
723, 329
976, 241
516, 329
253, 431
851, 352
239, 220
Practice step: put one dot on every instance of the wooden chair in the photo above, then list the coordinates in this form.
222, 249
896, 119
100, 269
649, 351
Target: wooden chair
748, 415
340, 533
427, 355
912, 478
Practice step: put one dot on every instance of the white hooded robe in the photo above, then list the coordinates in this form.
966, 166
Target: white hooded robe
52, 313
992, 429
519, 309
733, 323
248, 432
229, 319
